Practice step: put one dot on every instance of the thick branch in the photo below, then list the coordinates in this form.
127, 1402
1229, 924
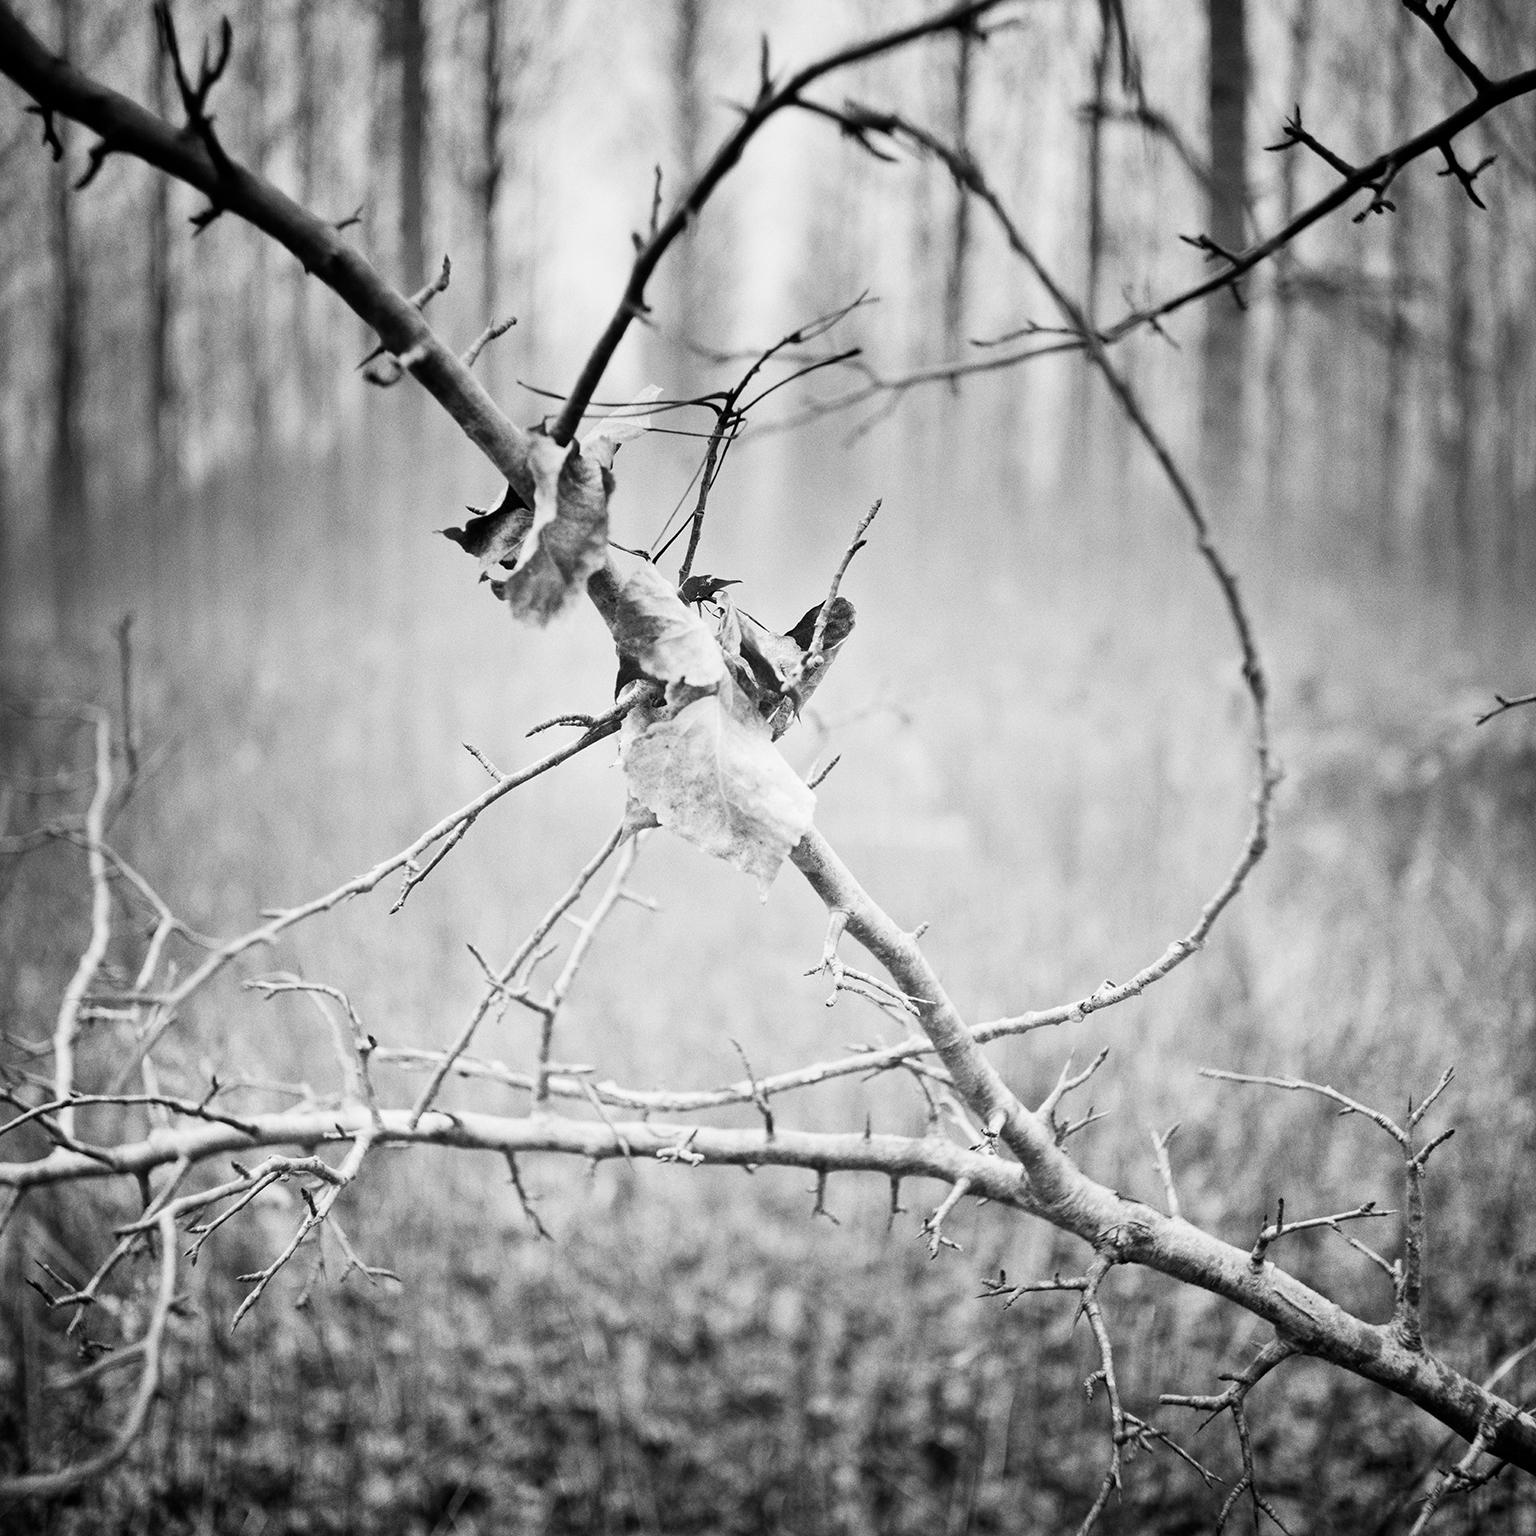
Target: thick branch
58, 87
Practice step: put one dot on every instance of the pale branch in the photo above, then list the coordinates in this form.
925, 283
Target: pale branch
491, 333
317, 1210
1161, 1141
968, 176
1272, 1232
187, 1108
586, 932
1457, 1480
1066, 1082
1234, 1402
280, 922
506, 982
1408, 1273
150, 1349
852, 1152
933, 1223
352, 1047
1127, 1231
813, 652
67, 1025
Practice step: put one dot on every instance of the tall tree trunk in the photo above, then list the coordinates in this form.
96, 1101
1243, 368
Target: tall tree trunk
68, 513
686, 311
256, 365
1402, 279
491, 166
1081, 456
1223, 406
411, 39
309, 323
1281, 472
160, 307
955, 273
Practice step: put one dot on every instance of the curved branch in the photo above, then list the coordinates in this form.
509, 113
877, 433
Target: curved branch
770, 100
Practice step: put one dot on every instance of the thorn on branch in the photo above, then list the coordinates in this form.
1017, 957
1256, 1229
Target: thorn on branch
681, 1150
96, 159
933, 1224
1209, 248
759, 1098
51, 139
525, 1200
194, 97
1502, 703
394, 369
1465, 176
201, 221
355, 217
820, 1207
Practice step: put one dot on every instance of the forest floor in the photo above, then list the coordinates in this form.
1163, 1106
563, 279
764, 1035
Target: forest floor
1044, 753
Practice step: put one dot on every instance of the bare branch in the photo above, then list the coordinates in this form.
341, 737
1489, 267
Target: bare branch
150, 1349
67, 1025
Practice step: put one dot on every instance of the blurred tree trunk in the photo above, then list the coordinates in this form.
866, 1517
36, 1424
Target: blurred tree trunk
1458, 388
68, 532
257, 316
1458, 413
687, 311
1397, 392
955, 274
1222, 418
160, 305
1280, 468
1097, 106
1080, 455
411, 56
310, 354
491, 169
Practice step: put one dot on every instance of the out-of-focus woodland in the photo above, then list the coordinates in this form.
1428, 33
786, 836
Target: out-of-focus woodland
1039, 717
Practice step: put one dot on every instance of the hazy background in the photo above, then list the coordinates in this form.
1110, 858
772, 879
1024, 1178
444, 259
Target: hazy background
1042, 726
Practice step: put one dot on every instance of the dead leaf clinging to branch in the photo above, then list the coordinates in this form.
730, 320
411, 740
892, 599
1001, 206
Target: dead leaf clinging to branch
709, 772
567, 540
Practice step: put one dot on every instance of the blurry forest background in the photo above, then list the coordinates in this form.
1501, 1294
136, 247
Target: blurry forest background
1039, 716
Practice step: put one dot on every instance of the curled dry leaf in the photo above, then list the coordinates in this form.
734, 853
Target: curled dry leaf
705, 589
493, 538
708, 771
658, 636
568, 538
775, 670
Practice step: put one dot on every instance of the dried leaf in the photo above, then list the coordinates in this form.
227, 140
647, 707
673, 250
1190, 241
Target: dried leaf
662, 637
568, 538
704, 589
771, 668
839, 626
709, 772
493, 538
